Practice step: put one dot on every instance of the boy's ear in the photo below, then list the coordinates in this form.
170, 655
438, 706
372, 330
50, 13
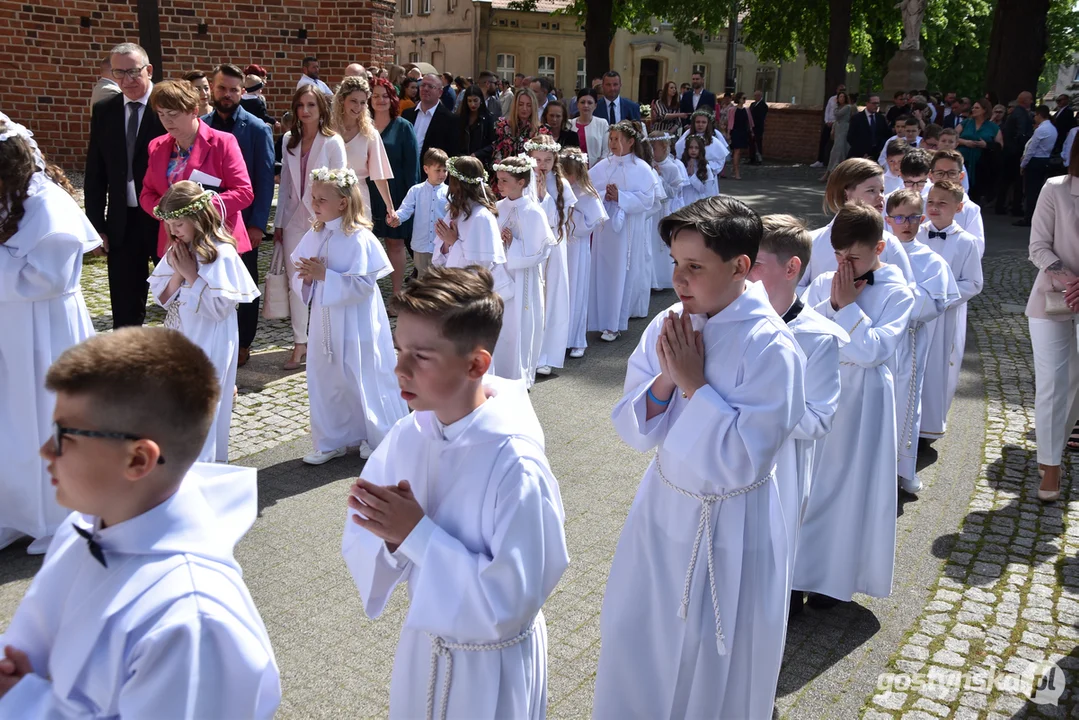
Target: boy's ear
879, 248
959, 208
794, 267
479, 361
142, 459
742, 265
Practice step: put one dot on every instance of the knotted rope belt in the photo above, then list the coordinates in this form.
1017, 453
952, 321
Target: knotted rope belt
440, 647
704, 530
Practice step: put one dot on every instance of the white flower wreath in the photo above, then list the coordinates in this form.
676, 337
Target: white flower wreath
660, 138
551, 146
451, 167
530, 165
342, 178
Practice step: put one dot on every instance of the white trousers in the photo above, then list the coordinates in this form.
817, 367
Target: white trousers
293, 234
1056, 385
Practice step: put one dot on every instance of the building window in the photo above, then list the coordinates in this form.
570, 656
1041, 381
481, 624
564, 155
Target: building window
582, 76
413, 57
506, 66
425, 7
546, 67
544, 26
554, 26
766, 82
513, 23
702, 69
406, 8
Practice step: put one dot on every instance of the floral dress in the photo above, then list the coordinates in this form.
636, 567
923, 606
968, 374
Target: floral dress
506, 143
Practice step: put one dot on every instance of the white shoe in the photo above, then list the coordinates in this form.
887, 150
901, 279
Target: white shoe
40, 546
817, 164
320, 457
609, 336
365, 450
576, 353
543, 370
912, 486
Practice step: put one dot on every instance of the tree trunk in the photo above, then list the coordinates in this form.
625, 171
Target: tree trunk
835, 69
731, 81
1017, 47
598, 33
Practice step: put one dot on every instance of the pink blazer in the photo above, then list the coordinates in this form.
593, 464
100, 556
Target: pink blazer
214, 153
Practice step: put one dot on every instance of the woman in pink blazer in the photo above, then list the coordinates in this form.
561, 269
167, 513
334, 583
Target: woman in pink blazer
192, 150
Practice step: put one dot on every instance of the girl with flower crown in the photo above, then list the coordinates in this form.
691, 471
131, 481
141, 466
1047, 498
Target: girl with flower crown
351, 384
629, 189
586, 215
555, 196
703, 124
200, 281
43, 236
672, 175
528, 241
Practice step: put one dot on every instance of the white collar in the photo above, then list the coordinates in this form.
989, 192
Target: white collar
430, 113
455, 429
145, 99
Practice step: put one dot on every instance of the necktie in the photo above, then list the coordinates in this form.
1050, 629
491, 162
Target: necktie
132, 134
610, 111
934, 234
95, 548
868, 277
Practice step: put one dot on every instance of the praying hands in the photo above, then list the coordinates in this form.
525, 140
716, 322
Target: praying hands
311, 269
389, 512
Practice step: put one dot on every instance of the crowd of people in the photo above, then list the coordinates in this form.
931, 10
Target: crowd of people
793, 361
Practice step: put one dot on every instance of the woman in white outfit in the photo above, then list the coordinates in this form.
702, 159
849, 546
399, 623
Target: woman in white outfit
310, 144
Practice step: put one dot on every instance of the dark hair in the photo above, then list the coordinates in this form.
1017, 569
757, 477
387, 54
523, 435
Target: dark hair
391, 93
464, 113
856, 224
898, 93
931, 131
462, 301
953, 155
17, 168
152, 381
194, 75
899, 146
729, 227
487, 75
1044, 111
325, 122
612, 73
229, 70
309, 59
904, 196
435, 156
586, 91
543, 83
565, 116
702, 170
905, 119
785, 236
406, 82
916, 162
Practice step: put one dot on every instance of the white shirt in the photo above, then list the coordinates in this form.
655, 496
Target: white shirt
829, 109
614, 114
423, 121
1040, 145
697, 98
1066, 150
132, 196
323, 87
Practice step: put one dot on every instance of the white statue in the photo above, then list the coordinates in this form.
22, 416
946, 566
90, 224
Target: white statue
913, 10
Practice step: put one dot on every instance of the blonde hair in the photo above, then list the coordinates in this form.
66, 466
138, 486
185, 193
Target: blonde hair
560, 203
209, 227
512, 119
575, 169
348, 86
848, 175
463, 195
353, 218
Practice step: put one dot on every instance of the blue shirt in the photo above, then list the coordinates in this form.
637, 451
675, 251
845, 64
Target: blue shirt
427, 203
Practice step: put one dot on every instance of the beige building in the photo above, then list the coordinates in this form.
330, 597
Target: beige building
464, 37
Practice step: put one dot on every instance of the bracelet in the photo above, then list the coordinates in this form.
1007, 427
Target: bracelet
656, 400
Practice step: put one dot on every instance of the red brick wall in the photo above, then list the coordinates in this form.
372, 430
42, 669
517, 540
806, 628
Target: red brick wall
792, 132
49, 60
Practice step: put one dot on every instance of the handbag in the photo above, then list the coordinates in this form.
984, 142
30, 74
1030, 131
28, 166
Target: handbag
1055, 304
275, 304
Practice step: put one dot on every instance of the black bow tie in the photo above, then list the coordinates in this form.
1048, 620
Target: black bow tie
943, 235
95, 547
868, 277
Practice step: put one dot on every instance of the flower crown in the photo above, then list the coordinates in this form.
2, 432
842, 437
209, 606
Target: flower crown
451, 168
551, 146
530, 165
343, 178
14, 129
659, 138
195, 206
703, 112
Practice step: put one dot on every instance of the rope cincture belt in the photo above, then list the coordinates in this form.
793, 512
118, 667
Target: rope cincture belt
440, 647
704, 529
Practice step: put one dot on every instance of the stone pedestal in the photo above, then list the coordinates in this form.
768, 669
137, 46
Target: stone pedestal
906, 72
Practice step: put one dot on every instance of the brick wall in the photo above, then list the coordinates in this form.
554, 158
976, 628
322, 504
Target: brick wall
50, 51
792, 132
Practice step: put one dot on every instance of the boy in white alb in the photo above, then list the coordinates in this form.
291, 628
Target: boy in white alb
894, 152
847, 541
673, 176
460, 503
948, 165
948, 340
906, 129
427, 203
949, 140
785, 249
715, 388
140, 610
934, 292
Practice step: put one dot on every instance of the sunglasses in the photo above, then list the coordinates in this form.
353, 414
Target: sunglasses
58, 433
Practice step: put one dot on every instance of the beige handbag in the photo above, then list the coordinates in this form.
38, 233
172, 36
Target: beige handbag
275, 305
1055, 304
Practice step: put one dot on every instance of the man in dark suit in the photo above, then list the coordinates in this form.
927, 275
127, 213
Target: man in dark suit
121, 128
868, 131
1063, 121
758, 110
696, 97
256, 143
436, 127
610, 106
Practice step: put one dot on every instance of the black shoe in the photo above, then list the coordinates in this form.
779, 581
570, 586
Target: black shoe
1021, 223
821, 602
797, 603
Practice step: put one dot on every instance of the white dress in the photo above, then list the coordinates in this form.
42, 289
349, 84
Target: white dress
696, 189
822, 260
638, 295
479, 242
479, 566
351, 383
716, 152
673, 176
949, 335
166, 629
205, 313
847, 541
934, 292
661, 654
517, 352
556, 277
42, 313
612, 243
587, 215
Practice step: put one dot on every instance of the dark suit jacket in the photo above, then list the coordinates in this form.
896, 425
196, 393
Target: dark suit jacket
865, 141
1063, 121
256, 143
629, 109
758, 110
443, 132
950, 120
1018, 128
106, 166
708, 99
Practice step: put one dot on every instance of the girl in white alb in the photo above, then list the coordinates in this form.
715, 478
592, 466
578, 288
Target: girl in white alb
584, 218
350, 370
199, 282
528, 242
700, 180
716, 149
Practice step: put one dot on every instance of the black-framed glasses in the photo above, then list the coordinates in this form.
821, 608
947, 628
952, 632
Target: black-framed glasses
906, 219
949, 174
129, 74
914, 184
58, 433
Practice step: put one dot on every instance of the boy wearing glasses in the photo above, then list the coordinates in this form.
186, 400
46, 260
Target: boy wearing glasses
948, 165
934, 290
140, 609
